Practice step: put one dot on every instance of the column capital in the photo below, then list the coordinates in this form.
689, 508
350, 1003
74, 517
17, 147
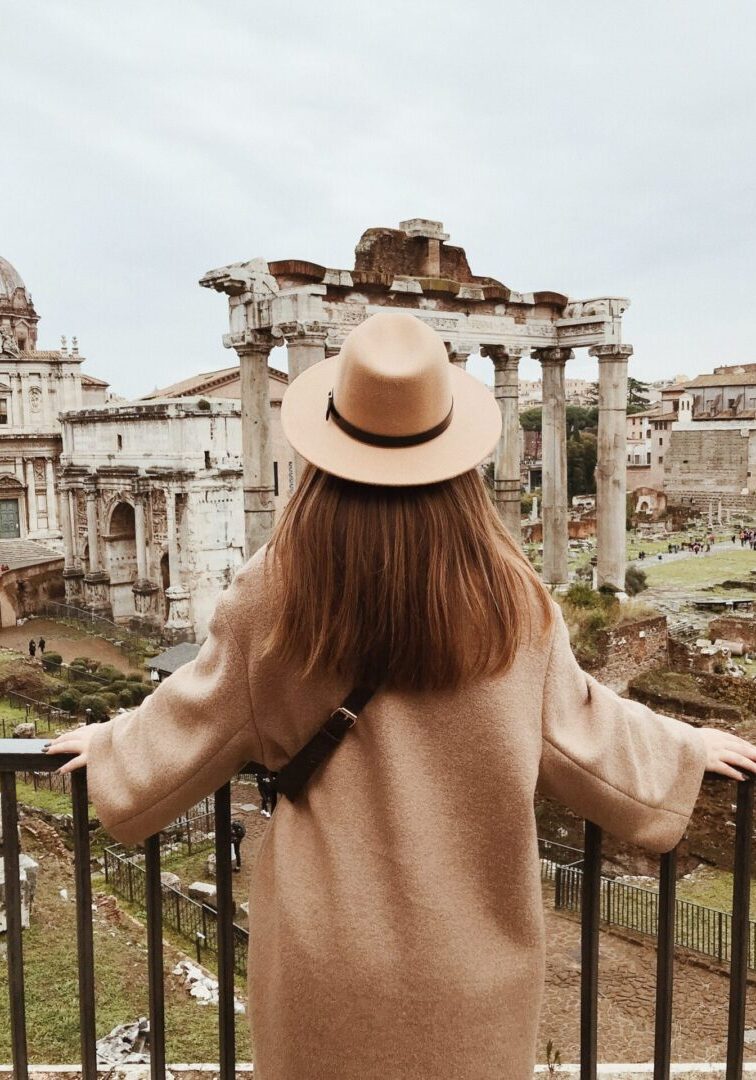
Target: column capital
552, 355
611, 352
301, 333
502, 354
249, 342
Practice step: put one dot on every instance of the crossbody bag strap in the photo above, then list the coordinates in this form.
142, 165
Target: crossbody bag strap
292, 778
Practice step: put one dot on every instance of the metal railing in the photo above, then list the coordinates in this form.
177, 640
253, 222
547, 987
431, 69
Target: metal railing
89, 620
626, 906
24, 755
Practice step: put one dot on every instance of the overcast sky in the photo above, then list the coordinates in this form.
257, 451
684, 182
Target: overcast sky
593, 148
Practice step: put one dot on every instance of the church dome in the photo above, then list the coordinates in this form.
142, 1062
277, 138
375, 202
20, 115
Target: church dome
10, 279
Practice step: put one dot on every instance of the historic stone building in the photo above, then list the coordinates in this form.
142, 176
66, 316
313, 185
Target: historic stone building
711, 461
226, 385
311, 308
152, 510
648, 437
35, 386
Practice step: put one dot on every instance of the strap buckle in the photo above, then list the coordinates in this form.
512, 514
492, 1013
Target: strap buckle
347, 714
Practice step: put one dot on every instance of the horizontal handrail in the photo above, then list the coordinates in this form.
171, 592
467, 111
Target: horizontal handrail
23, 755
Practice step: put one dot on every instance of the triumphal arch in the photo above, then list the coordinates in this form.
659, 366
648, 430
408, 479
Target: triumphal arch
311, 308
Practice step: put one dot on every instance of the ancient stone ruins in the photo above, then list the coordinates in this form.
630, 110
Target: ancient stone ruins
312, 307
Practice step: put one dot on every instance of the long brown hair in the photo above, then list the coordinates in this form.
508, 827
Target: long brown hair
411, 587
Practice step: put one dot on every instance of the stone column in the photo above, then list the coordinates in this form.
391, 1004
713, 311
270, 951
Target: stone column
72, 572
178, 626
97, 580
52, 499
506, 359
145, 590
554, 465
458, 355
93, 538
257, 445
31, 497
611, 466
305, 346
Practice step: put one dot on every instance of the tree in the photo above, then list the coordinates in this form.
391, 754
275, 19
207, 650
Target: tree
581, 463
531, 419
637, 395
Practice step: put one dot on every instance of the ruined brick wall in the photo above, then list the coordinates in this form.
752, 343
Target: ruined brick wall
629, 649
734, 628
392, 251
683, 657
701, 466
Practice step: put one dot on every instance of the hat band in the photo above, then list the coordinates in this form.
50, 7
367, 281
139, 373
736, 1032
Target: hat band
374, 439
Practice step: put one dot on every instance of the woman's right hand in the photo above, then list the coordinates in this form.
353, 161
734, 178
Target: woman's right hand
727, 754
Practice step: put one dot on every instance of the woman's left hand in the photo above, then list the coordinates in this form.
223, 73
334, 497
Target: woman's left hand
76, 742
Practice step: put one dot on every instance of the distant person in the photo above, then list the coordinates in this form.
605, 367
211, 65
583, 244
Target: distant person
268, 794
41, 644
32, 648
238, 832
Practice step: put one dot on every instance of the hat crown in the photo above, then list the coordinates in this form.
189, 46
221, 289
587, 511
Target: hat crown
393, 376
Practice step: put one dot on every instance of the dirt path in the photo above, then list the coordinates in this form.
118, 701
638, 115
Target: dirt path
66, 640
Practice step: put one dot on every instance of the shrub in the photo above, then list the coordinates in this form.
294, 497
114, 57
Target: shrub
107, 671
139, 692
85, 662
125, 699
635, 580
581, 596
135, 677
69, 700
96, 704
51, 661
79, 674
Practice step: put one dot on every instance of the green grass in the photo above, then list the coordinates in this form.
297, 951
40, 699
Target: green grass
712, 888
702, 570
50, 955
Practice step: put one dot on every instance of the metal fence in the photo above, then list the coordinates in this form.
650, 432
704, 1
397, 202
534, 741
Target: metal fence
96, 624
41, 714
704, 930
198, 922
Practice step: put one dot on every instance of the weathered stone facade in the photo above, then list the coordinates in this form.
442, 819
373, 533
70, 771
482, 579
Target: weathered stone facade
35, 386
153, 522
629, 649
712, 461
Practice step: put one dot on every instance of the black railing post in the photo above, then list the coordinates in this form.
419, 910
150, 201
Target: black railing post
225, 932
741, 897
13, 925
665, 956
84, 935
591, 911
154, 908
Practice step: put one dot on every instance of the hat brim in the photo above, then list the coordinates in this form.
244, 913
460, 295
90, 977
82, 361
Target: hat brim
470, 437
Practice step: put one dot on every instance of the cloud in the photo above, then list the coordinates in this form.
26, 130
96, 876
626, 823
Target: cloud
593, 148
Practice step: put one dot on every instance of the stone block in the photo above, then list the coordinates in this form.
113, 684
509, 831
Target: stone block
203, 892
28, 879
173, 881
210, 865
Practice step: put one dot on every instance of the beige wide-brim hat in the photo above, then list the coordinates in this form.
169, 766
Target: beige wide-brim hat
390, 408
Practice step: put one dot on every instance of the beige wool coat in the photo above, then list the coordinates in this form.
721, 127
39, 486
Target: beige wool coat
396, 919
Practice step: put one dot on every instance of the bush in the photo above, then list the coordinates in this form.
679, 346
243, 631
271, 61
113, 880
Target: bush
139, 692
635, 580
85, 662
69, 700
581, 596
97, 705
51, 661
112, 674
135, 677
125, 699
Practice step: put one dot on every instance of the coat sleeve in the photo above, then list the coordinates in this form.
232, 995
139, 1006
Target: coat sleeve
184, 741
614, 761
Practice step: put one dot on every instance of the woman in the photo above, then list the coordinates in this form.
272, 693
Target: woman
397, 937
